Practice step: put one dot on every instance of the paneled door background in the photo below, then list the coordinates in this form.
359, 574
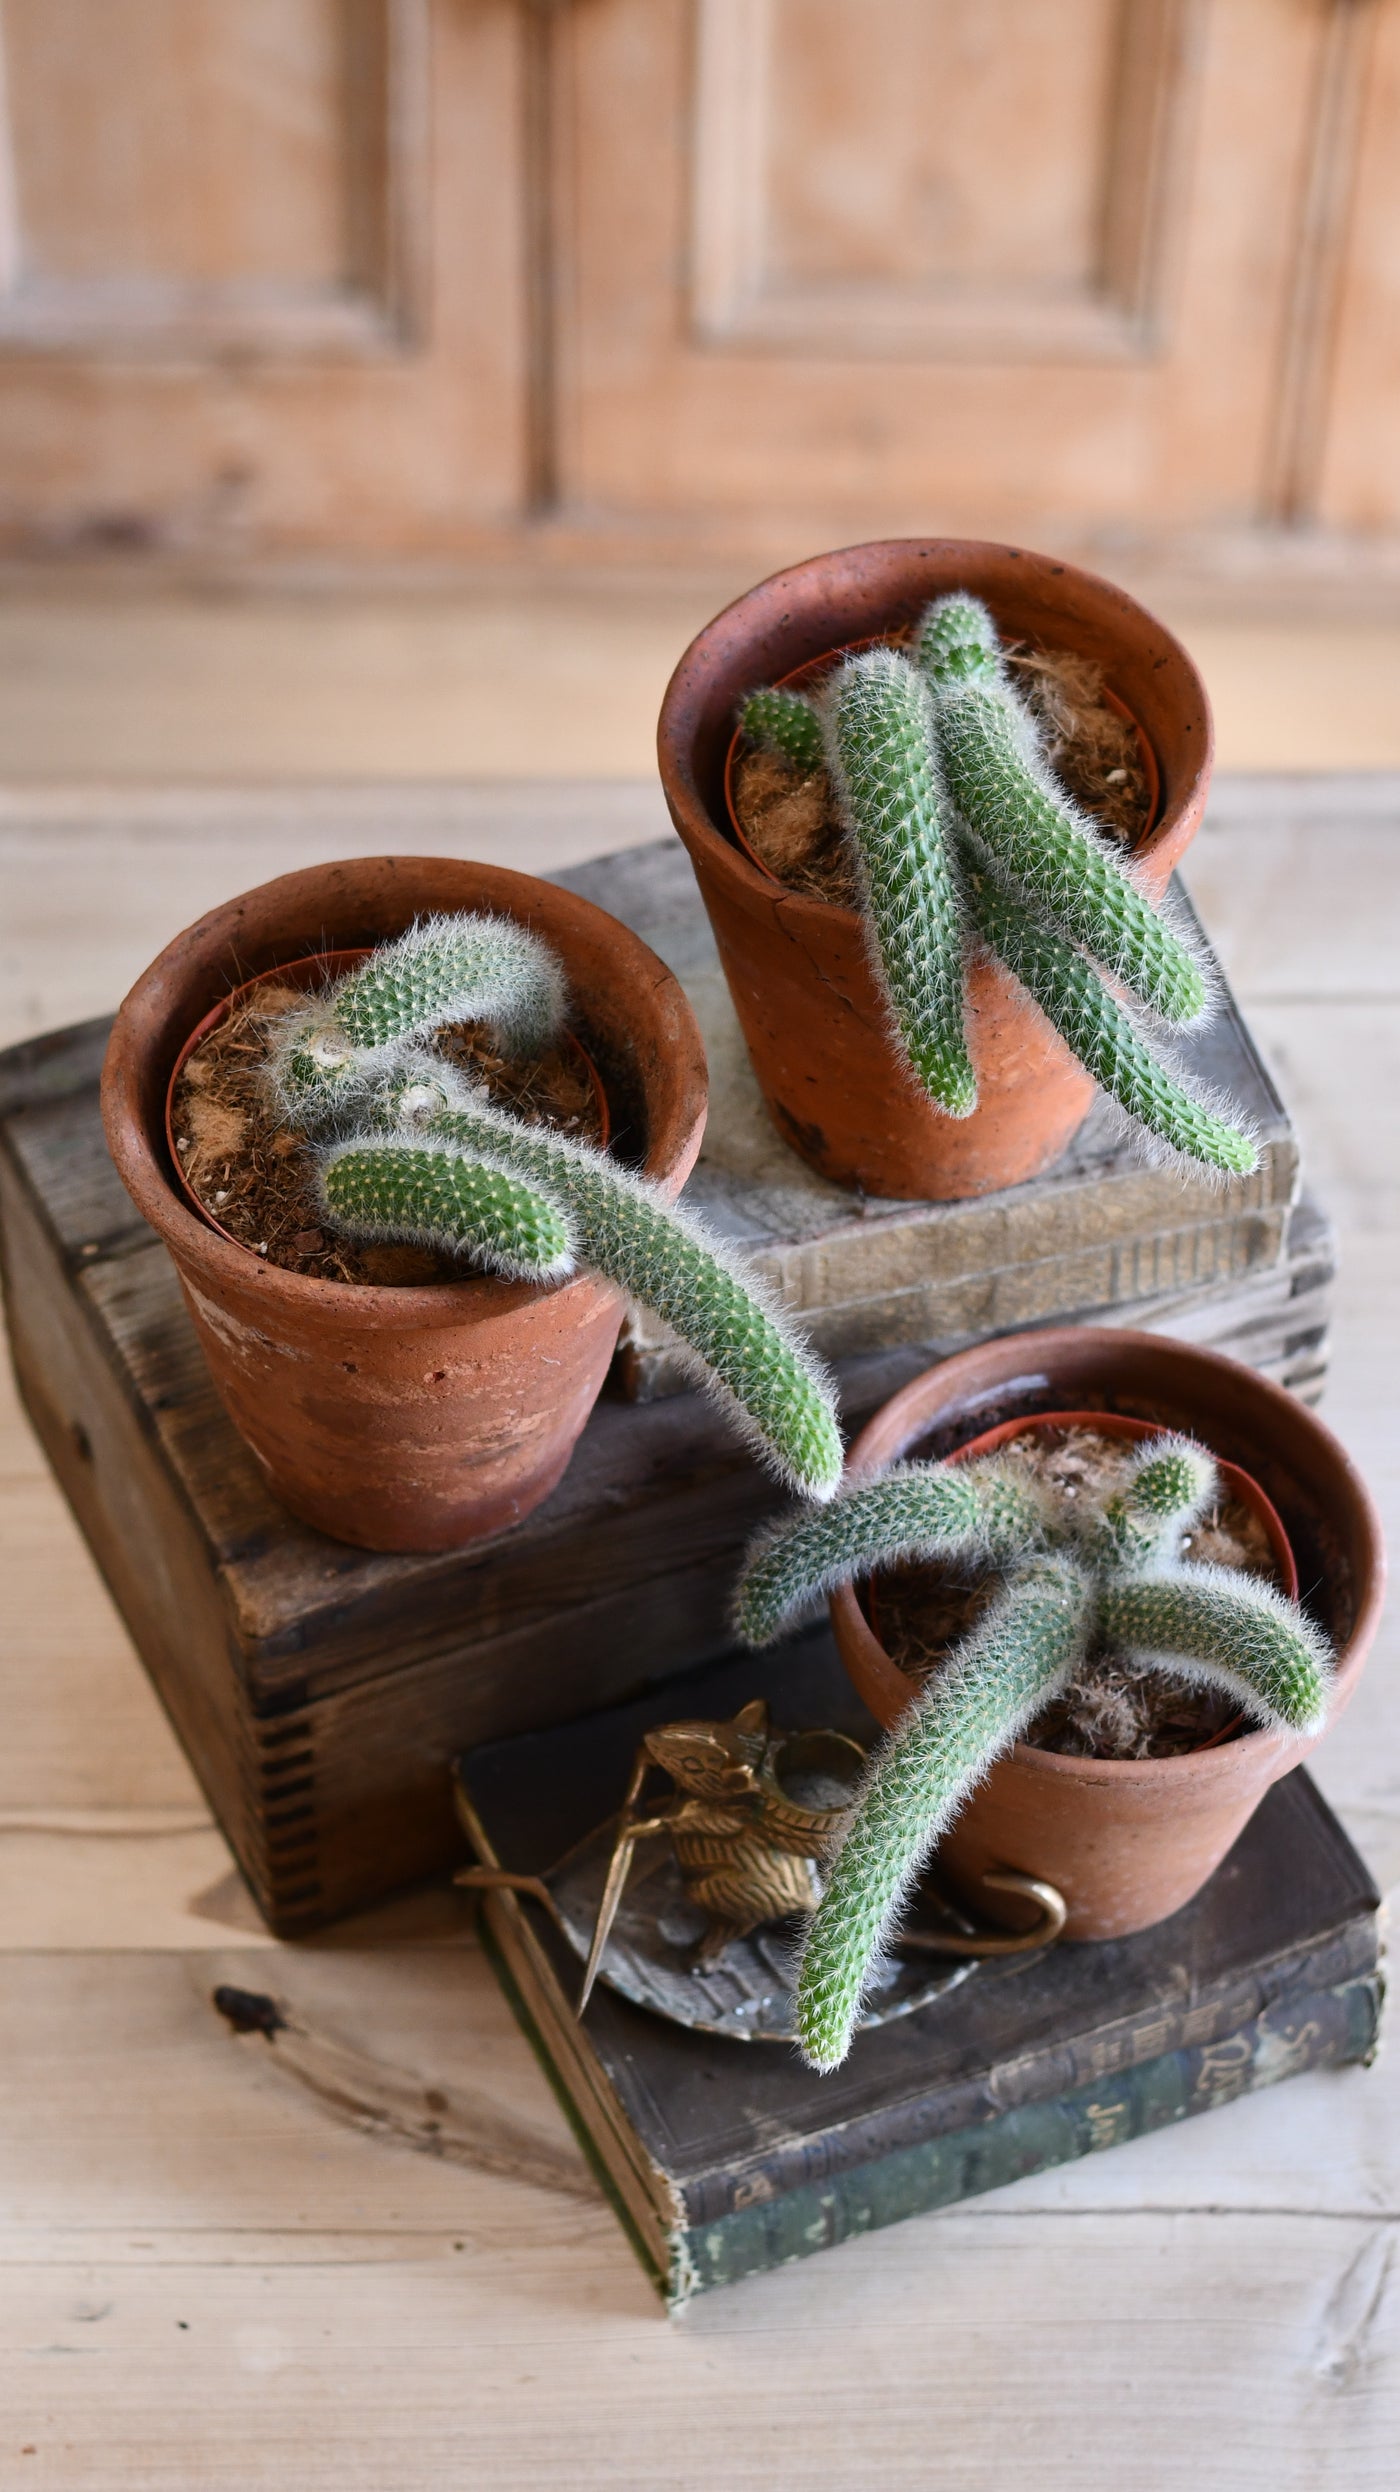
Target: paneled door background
426, 276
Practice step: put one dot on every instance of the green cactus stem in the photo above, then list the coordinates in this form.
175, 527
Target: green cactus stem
785, 723
1100, 1573
1024, 1652
1008, 798
445, 969
881, 752
1239, 1634
1099, 1032
623, 1228
916, 1510
435, 1196
1173, 1482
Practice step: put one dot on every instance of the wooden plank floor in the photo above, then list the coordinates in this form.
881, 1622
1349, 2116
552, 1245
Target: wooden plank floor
368, 2255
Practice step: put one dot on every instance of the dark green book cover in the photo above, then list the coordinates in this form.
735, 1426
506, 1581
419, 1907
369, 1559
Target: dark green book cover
725, 2158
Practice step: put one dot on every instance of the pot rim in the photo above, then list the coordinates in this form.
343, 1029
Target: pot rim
799, 586
863, 1462
200, 1251
876, 640
335, 964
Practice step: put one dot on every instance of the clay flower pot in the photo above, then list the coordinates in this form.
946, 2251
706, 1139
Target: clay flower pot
424, 1417
834, 1083
1128, 1843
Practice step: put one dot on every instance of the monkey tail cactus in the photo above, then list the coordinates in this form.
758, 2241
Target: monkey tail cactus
445, 969
1235, 1633
437, 1196
787, 724
883, 762
1105, 1575
1024, 1652
1029, 826
1099, 1032
619, 1226
915, 1510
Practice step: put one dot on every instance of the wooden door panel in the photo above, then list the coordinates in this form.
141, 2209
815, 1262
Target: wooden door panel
1356, 415
1022, 266
238, 114
260, 272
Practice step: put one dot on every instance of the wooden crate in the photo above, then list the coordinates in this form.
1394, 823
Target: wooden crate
319, 1690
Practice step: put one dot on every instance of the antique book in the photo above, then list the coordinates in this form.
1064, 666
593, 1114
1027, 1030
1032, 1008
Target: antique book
321, 1691
724, 2157
1100, 1230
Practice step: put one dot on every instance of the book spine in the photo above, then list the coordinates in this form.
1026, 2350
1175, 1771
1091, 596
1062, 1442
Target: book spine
1179, 2021
1325, 2029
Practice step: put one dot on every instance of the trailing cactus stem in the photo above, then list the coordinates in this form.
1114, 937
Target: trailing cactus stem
448, 969
881, 751
916, 1510
1008, 798
1235, 1632
622, 1228
1025, 1652
785, 723
397, 1188
1100, 1034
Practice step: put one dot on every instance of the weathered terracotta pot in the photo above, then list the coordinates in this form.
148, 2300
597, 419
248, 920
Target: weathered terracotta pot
834, 1084
1128, 1843
418, 1418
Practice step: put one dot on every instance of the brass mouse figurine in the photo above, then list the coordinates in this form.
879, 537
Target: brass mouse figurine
746, 1844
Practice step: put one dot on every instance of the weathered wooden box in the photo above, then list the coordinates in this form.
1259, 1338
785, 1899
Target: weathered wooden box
321, 1691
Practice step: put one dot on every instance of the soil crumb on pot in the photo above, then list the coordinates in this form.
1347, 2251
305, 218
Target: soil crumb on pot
920, 1612
790, 822
256, 1175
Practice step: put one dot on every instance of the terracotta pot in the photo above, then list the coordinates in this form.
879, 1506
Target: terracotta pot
1128, 1843
418, 1418
834, 1084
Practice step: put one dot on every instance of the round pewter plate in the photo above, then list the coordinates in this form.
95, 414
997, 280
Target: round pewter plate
746, 1995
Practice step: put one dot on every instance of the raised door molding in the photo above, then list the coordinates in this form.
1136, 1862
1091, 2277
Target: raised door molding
1019, 196
258, 188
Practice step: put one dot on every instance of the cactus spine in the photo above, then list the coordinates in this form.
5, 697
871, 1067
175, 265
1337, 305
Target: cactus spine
884, 767
1074, 1577
943, 805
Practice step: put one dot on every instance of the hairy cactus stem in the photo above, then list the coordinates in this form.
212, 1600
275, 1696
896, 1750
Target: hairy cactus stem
883, 765
621, 1227
1008, 798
